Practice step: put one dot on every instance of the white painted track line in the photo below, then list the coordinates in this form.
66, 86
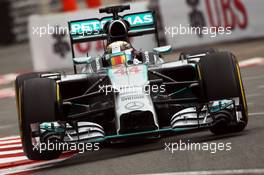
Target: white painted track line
7, 93
217, 172
251, 62
10, 152
11, 146
30, 167
9, 138
256, 113
12, 159
9, 141
8, 78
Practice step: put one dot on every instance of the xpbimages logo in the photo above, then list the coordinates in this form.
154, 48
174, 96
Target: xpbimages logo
65, 146
212, 147
174, 31
147, 89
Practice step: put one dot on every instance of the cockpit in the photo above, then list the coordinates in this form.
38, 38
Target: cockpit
119, 52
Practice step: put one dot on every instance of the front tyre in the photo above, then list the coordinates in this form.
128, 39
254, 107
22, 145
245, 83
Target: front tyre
222, 80
37, 103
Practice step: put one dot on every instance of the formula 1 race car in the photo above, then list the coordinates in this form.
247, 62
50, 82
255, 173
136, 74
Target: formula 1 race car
128, 94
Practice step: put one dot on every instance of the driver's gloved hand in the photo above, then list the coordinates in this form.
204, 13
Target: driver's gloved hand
138, 55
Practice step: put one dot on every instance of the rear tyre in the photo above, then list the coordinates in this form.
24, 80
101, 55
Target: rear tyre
222, 80
37, 102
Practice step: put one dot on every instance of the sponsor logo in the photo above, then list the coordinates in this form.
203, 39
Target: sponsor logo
132, 97
94, 26
228, 14
139, 19
134, 105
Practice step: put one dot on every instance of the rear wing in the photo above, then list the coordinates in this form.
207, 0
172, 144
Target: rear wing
92, 29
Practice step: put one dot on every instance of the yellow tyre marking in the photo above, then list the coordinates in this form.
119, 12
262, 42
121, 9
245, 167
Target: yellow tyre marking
20, 113
17, 102
242, 90
58, 92
199, 72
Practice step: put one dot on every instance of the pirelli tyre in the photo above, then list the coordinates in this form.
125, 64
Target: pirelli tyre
20, 81
221, 77
37, 102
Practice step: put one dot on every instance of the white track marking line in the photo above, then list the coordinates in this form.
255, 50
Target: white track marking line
256, 113
254, 95
7, 93
10, 137
217, 172
261, 86
253, 78
7, 126
12, 159
11, 146
251, 62
8, 78
11, 152
30, 167
10, 141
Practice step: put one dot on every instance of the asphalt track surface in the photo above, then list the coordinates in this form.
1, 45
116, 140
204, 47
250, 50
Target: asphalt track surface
245, 157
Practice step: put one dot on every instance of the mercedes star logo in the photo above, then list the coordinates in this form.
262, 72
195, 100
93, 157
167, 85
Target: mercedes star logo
134, 105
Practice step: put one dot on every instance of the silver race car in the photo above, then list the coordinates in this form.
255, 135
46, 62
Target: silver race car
128, 94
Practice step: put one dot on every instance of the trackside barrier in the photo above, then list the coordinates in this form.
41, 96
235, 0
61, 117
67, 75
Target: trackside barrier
217, 21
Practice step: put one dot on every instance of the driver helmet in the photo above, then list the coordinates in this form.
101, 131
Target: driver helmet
119, 52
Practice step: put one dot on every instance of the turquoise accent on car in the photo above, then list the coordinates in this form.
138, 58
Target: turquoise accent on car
145, 72
83, 60
140, 19
163, 130
163, 49
219, 105
85, 27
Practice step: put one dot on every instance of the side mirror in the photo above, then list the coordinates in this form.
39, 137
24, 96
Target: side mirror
83, 60
163, 49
